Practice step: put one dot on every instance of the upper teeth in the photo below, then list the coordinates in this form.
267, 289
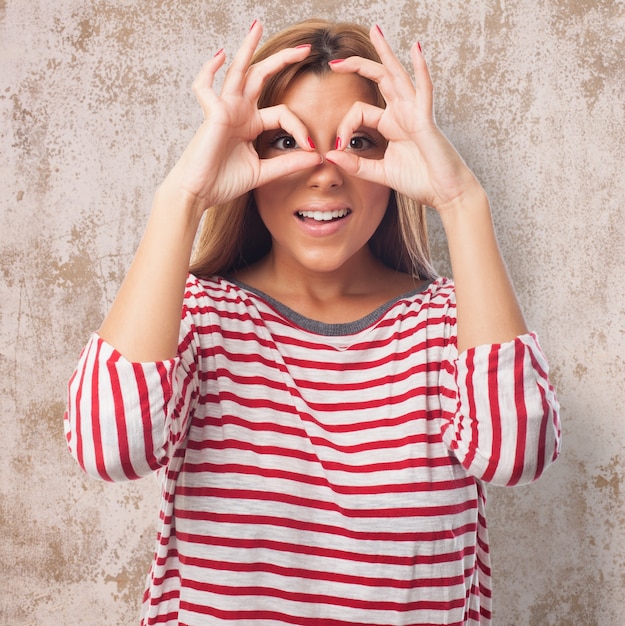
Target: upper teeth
324, 216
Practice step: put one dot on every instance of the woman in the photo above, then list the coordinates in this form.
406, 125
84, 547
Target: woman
323, 412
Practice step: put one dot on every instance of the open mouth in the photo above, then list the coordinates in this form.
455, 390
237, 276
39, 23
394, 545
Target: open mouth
323, 216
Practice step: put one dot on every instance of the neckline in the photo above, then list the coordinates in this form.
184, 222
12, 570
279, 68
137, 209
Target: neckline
323, 328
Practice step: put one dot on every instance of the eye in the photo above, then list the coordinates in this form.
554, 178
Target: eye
362, 142
283, 142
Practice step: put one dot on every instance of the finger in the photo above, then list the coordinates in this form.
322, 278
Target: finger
258, 73
367, 68
360, 115
280, 116
235, 76
387, 56
285, 164
203, 84
391, 83
354, 165
390, 75
422, 78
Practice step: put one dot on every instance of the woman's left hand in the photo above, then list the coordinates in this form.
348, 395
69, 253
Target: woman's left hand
419, 161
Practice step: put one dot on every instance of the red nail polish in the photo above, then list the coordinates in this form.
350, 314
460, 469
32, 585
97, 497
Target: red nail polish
420, 48
220, 51
379, 30
310, 143
335, 61
253, 24
338, 143
304, 45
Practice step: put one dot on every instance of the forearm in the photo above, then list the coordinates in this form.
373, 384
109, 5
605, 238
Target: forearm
487, 308
144, 320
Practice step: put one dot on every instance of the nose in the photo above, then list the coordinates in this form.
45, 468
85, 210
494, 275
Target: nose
325, 176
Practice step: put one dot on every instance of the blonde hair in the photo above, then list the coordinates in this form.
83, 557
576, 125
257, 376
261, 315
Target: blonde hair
233, 236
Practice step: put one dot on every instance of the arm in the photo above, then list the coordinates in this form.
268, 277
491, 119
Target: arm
219, 164
133, 391
144, 320
487, 308
421, 163
499, 412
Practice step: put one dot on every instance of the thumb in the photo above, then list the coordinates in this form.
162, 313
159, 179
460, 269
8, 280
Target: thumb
283, 165
367, 169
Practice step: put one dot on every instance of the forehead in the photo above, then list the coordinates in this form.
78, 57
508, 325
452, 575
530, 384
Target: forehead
330, 88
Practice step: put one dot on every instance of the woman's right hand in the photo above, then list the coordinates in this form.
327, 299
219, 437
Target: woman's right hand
221, 163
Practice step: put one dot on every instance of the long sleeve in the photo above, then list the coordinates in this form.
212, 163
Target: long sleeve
500, 413
124, 419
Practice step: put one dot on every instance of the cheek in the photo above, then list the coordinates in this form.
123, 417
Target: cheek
377, 197
269, 198
265, 197
271, 192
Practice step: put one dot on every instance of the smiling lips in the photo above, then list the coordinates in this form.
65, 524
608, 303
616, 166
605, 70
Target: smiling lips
323, 216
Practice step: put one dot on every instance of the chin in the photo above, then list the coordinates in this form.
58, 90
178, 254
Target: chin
324, 264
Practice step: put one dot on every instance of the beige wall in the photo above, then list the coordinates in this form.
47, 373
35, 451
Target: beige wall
95, 105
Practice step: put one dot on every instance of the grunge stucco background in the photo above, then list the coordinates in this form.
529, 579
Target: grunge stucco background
96, 105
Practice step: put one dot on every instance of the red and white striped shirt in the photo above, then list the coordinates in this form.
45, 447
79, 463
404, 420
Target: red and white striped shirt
315, 473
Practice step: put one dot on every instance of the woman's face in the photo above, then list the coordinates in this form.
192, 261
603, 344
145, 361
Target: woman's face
321, 218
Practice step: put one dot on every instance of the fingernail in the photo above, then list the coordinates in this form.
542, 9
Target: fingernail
253, 24
338, 143
304, 45
379, 30
220, 51
335, 61
420, 48
310, 143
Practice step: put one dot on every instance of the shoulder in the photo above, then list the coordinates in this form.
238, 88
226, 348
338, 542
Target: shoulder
215, 295
214, 287
436, 305
214, 307
432, 304
440, 290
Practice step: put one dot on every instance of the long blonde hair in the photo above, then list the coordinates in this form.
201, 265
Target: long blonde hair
233, 235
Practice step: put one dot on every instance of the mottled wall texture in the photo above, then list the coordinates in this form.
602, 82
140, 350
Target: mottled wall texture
95, 107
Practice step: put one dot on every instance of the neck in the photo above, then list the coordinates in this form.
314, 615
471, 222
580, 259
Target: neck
343, 295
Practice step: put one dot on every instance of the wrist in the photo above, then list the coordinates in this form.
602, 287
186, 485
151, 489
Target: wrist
471, 204
175, 203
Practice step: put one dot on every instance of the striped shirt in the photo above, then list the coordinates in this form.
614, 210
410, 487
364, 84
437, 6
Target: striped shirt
315, 473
